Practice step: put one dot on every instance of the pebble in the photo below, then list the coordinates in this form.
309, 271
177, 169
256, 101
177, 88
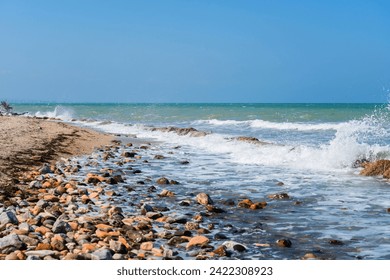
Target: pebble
197, 241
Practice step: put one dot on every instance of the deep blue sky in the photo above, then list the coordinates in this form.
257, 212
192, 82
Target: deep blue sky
194, 51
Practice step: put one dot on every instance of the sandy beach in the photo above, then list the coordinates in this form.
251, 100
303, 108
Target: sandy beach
28, 143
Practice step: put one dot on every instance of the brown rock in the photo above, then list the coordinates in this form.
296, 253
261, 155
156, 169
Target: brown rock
258, 205
42, 230
166, 193
146, 246
204, 199
57, 243
199, 240
379, 167
191, 226
284, 243
88, 247
12, 257
43, 246
309, 256
162, 181
246, 203
51, 198
221, 251
157, 252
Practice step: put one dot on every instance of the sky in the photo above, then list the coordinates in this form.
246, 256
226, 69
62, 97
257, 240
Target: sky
262, 51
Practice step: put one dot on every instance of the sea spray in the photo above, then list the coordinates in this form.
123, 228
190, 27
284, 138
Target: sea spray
59, 112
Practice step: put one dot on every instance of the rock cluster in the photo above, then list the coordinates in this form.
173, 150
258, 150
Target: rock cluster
103, 207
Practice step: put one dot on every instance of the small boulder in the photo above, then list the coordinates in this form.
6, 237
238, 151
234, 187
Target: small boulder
204, 199
162, 181
10, 243
284, 243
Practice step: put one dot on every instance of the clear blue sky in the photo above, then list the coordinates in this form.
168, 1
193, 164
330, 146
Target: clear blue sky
194, 51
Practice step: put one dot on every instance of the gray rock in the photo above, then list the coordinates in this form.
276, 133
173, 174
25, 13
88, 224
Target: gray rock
61, 227
8, 217
147, 208
10, 243
25, 227
102, 254
29, 241
118, 257
40, 253
45, 169
33, 258
117, 247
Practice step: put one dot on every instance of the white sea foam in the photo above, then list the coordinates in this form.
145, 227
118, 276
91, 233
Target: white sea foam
274, 125
338, 154
59, 112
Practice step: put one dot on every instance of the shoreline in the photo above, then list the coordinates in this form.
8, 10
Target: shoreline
107, 204
30, 142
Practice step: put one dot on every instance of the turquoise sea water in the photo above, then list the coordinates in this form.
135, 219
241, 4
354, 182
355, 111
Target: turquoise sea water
312, 149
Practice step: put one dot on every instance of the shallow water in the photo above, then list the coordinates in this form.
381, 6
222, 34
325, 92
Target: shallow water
312, 150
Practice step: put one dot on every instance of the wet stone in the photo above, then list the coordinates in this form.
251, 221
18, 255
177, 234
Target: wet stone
336, 242
166, 193
214, 209
221, 251
182, 233
229, 202
284, 243
176, 240
234, 246
188, 203
154, 215
220, 236
204, 199
162, 181
197, 241
279, 196
246, 203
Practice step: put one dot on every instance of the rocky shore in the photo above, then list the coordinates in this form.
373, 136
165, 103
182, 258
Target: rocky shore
100, 207
112, 204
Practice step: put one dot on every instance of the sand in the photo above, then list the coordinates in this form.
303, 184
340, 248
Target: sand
27, 143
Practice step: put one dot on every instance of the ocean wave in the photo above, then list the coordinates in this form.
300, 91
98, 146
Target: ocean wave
339, 154
59, 112
274, 125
